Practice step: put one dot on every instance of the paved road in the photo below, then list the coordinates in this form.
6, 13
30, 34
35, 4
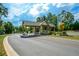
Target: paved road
43, 46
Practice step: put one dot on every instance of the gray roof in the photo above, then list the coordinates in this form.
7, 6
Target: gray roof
30, 23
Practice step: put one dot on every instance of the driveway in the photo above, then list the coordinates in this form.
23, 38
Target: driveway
43, 46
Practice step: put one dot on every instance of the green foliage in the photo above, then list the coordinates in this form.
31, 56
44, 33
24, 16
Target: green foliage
21, 29
3, 11
54, 21
8, 27
1, 30
1, 22
41, 19
75, 25
15, 29
67, 18
50, 18
38, 19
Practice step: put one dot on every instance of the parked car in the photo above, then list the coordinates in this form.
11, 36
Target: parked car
28, 35
24, 35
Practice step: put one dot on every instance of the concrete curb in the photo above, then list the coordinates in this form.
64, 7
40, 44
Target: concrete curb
9, 50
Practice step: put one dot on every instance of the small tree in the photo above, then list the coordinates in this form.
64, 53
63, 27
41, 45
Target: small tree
62, 26
2, 30
8, 27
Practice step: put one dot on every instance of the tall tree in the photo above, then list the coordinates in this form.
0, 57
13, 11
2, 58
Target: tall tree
67, 18
49, 16
39, 19
3, 12
54, 21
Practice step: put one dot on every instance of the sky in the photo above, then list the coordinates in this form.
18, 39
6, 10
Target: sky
17, 12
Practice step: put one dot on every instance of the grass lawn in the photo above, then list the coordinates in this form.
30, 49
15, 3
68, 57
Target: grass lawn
2, 50
72, 37
68, 37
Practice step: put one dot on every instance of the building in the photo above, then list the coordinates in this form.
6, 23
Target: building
38, 27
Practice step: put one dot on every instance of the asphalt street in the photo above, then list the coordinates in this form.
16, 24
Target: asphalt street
43, 46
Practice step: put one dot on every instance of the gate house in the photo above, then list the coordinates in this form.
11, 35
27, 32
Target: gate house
38, 26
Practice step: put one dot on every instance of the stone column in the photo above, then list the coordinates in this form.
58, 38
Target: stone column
41, 29
34, 29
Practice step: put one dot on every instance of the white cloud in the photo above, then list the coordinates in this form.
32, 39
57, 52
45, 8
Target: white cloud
17, 10
38, 8
45, 6
76, 16
34, 10
58, 5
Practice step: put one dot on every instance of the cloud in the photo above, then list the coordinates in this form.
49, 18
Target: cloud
58, 5
17, 10
76, 16
38, 8
32, 9
21, 11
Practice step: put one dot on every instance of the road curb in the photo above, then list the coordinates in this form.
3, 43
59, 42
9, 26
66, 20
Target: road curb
9, 50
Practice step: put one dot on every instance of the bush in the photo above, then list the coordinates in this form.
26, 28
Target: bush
2, 32
63, 33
